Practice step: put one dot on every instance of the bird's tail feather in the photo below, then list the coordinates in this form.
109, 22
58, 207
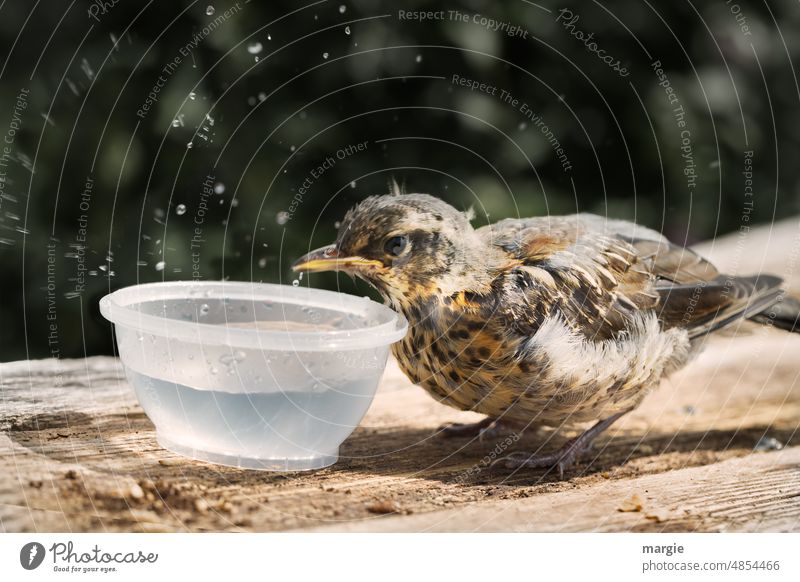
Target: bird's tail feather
783, 314
711, 305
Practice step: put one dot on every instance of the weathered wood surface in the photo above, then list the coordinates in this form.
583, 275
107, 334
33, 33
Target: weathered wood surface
77, 453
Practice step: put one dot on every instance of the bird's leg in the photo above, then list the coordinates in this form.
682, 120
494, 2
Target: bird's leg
487, 428
566, 456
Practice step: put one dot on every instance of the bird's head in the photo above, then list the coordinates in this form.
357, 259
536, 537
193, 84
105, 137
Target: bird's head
407, 246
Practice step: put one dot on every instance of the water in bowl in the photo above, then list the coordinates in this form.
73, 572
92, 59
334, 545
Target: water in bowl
278, 430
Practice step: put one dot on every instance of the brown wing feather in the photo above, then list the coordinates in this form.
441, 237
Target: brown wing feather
604, 271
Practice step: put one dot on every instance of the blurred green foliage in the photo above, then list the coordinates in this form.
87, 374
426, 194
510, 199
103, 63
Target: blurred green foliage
268, 92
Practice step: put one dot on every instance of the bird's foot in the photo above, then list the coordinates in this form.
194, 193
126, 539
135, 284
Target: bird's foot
565, 457
488, 428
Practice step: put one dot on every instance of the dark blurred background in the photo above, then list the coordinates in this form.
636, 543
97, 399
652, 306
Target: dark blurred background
126, 126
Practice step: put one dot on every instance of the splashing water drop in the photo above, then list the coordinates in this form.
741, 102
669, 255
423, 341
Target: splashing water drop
160, 265
347, 30
189, 145
210, 10
295, 283
87, 69
254, 48
180, 209
324, 55
192, 95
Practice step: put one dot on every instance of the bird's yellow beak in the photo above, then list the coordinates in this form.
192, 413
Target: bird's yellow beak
329, 259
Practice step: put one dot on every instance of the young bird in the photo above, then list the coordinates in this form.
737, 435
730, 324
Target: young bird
552, 321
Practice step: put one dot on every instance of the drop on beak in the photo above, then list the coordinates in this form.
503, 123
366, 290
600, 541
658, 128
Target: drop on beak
329, 258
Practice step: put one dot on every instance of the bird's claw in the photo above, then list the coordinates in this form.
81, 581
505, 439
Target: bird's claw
562, 459
486, 429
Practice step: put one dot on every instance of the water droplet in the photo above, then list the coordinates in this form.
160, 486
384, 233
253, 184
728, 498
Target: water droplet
324, 55
189, 145
87, 69
192, 95
768, 444
254, 48
103, 268
219, 188
180, 209
262, 96
347, 30
337, 224
262, 262
714, 164
419, 58
233, 358
342, 9
213, 370
160, 265
522, 126
204, 309
353, 184
251, 101
295, 283
234, 203
269, 37
282, 217
301, 276
210, 10
292, 148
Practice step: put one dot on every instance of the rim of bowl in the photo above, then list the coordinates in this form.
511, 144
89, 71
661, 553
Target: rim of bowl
117, 308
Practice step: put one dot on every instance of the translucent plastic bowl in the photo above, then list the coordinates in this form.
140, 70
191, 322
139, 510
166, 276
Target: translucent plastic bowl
252, 375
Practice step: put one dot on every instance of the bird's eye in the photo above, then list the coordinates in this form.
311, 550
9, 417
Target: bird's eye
395, 245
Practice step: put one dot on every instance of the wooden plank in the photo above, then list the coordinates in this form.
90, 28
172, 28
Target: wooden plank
82, 455
754, 493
